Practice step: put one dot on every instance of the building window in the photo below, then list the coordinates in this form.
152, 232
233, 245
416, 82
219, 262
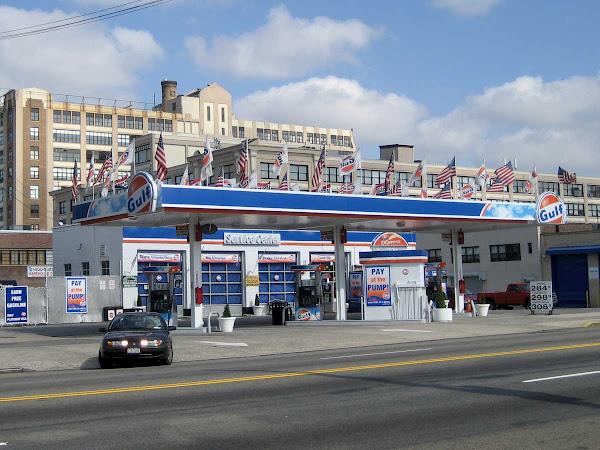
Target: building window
1, 137
242, 132
222, 131
34, 172
208, 113
323, 139
434, 255
62, 207
169, 126
130, 122
275, 135
121, 121
575, 209
470, 254
10, 135
548, 186
143, 154
152, 124
259, 133
76, 117
464, 181
592, 190
222, 114
73, 136
285, 135
67, 270
316, 138
298, 173
85, 268
10, 196
519, 187
89, 119
139, 123
65, 155
34, 211
34, 114
34, 153
530, 247
98, 138
123, 140
34, 133
65, 173
10, 115
266, 171
594, 210
333, 139
10, 172
373, 176
107, 120
299, 137
309, 138
234, 132
574, 190
508, 252
1, 175
99, 120
347, 141
34, 192
105, 267
332, 175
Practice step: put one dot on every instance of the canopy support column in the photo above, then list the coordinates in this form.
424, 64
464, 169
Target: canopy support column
195, 275
340, 273
457, 269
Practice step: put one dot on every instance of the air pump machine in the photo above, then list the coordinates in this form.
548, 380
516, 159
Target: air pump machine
309, 292
161, 291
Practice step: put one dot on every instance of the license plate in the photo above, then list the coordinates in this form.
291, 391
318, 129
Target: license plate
133, 350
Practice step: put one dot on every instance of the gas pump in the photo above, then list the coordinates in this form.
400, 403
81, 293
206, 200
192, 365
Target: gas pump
161, 291
309, 292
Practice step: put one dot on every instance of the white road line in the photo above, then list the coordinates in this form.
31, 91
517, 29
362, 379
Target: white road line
380, 353
563, 376
401, 329
229, 344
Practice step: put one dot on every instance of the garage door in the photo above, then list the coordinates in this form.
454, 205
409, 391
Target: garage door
222, 278
276, 277
570, 280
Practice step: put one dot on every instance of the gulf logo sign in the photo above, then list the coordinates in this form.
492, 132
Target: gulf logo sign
303, 314
141, 195
551, 209
389, 239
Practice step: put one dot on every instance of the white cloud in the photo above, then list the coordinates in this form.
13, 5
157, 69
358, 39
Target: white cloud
285, 46
79, 60
546, 123
467, 7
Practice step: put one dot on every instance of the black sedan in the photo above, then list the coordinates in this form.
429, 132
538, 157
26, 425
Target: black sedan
136, 336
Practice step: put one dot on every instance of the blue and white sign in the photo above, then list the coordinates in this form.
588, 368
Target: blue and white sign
77, 295
17, 308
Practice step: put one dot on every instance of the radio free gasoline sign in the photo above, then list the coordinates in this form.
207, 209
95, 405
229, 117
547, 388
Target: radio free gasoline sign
17, 310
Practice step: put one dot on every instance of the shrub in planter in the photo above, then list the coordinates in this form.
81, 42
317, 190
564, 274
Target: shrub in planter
440, 299
256, 301
226, 311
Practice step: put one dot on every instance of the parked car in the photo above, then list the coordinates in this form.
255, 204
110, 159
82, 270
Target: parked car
516, 294
136, 336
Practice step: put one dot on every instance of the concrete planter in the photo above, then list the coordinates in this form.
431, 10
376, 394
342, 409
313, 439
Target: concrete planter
442, 315
226, 324
260, 310
482, 310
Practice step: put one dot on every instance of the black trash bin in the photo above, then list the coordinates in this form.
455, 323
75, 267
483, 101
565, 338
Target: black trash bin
277, 307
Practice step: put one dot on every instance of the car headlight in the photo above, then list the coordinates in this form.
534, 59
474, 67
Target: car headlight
123, 343
151, 343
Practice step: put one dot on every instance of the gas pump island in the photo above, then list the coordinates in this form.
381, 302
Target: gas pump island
309, 292
162, 282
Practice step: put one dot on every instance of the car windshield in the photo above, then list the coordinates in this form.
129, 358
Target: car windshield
141, 322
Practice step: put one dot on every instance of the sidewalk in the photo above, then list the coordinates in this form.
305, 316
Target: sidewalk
75, 346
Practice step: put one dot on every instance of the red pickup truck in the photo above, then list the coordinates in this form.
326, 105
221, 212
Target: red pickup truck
517, 294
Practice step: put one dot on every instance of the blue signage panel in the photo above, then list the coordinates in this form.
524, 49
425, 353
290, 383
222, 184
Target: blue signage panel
76, 295
16, 305
378, 286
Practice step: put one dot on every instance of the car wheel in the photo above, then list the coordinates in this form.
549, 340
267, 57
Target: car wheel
492, 304
104, 362
168, 360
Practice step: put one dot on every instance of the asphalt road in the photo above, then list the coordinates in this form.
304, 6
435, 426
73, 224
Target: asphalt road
466, 393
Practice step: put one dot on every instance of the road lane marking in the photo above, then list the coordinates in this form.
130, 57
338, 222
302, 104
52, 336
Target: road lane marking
581, 374
230, 344
292, 374
379, 353
402, 329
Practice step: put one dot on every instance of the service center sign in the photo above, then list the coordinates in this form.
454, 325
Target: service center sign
378, 286
76, 295
17, 309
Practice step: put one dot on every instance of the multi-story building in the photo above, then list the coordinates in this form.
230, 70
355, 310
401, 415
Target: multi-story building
25, 257
42, 135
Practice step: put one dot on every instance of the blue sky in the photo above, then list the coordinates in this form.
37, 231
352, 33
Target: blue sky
478, 79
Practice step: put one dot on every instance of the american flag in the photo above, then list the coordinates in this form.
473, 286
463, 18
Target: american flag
505, 174
161, 160
106, 167
445, 193
221, 179
397, 189
318, 173
242, 165
343, 189
496, 186
565, 177
121, 183
264, 185
75, 181
389, 174
283, 184
448, 172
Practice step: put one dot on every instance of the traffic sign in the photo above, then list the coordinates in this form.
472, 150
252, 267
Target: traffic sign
540, 293
129, 281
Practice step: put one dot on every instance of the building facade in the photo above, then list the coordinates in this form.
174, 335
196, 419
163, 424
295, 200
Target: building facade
25, 257
42, 135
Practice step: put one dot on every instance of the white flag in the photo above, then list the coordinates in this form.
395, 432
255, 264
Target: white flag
91, 173
206, 171
531, 185
350, 163
295, 187
404, 189
185, 178
424, 177
253, 181
282, 159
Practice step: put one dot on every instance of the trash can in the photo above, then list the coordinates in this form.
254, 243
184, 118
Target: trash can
277, 307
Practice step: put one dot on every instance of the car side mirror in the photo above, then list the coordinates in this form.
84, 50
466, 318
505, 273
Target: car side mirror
172, 327
102, 329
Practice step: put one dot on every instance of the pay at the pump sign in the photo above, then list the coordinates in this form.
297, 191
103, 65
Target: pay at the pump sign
76, 295
378, 286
